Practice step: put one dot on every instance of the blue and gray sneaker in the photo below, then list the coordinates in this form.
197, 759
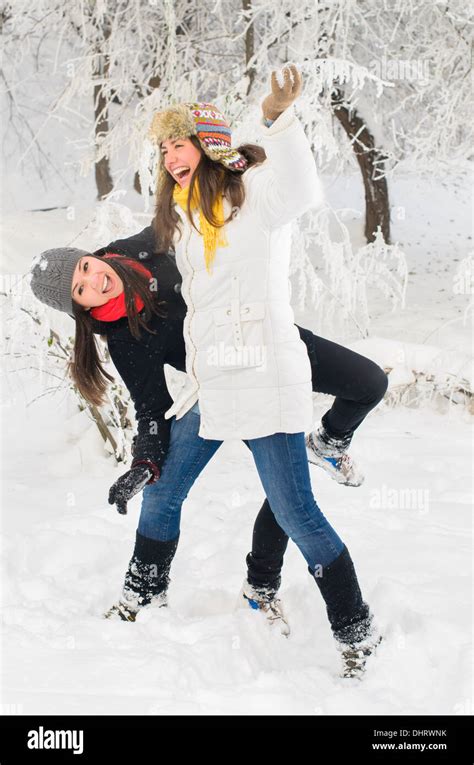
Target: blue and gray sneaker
127, 608
267, 602
354, 657
330, 454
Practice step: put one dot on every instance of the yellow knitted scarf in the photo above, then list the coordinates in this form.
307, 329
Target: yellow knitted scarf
213, 237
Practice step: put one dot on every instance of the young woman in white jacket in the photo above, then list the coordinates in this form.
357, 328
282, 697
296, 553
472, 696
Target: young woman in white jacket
227, 213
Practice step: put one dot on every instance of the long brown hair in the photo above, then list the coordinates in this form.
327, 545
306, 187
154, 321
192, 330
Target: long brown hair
214, 179
86, 366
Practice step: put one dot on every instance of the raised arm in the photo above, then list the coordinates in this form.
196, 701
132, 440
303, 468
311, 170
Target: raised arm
287, 183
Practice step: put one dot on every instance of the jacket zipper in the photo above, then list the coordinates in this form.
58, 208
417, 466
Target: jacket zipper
189, 298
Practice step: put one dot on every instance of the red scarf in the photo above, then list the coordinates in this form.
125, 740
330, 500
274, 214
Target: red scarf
115, 308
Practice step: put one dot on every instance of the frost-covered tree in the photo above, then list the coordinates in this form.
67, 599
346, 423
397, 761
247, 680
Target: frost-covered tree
118, 54
385, 86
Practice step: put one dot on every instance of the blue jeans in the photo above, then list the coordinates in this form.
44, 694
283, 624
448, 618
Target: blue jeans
282, 464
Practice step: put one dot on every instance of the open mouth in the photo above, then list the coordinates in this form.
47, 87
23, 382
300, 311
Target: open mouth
107, 284
181, 173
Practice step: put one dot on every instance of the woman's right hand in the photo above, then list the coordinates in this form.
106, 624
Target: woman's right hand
129, 484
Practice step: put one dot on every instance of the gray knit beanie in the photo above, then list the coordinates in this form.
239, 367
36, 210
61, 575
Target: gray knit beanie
51, 276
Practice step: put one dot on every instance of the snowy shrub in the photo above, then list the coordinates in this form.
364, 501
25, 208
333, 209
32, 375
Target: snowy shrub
339, 291
37, 346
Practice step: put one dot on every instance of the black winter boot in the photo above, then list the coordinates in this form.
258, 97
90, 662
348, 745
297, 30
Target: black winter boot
349, 616
147, 578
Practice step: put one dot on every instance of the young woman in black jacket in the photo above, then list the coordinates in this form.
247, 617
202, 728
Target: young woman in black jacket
358, 384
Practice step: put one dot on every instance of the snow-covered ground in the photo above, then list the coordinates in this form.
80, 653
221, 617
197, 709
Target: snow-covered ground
66, 552
408, 528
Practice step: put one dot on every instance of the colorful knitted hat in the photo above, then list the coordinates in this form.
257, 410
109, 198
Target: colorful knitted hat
204, 121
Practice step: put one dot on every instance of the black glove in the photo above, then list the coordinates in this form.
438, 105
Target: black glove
129, 484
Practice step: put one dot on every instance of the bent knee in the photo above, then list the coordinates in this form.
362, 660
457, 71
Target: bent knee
375, 384
380, 382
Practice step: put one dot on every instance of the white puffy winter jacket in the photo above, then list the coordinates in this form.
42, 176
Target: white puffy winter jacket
245, 360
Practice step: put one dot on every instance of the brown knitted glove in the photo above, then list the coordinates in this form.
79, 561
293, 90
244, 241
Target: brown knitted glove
281, 97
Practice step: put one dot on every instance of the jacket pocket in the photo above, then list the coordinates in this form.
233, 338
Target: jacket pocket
239, 337
182, 389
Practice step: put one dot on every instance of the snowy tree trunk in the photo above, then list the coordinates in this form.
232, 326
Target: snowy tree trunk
249, 45
103, 177
371, 161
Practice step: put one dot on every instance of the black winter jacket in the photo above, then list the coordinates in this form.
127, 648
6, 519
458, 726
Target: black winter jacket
140, 363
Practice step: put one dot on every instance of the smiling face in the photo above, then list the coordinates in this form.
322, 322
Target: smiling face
180, 158
94, 282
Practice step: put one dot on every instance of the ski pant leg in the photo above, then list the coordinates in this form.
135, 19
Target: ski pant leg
269, 543
357, 383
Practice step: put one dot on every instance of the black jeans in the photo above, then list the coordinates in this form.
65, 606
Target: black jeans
358, 385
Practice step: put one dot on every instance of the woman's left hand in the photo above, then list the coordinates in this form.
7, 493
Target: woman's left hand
282, 96
129, 484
